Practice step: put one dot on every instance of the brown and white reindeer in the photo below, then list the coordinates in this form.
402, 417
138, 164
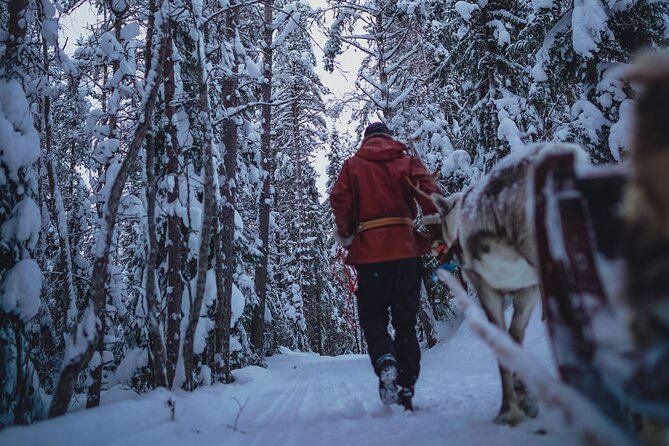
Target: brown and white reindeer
489, 226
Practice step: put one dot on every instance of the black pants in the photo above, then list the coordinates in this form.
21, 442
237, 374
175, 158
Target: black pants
393, 285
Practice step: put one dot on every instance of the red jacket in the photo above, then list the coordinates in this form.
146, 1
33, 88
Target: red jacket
376, 183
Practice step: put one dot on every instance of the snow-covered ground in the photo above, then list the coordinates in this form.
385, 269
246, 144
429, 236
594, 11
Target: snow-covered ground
305, 399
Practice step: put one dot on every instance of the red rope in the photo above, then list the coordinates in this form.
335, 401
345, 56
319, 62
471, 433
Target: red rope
349, 282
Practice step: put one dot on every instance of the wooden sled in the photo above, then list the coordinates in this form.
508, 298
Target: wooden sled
580, 239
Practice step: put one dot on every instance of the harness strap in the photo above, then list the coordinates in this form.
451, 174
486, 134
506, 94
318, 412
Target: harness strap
455, 250
349, 283
383, 222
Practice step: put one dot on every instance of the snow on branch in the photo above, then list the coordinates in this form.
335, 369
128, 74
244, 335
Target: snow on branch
401, 61
465, 9
371, 98
242, 108
402, 96
290, 16
588, 24
225, 8
353, 43
371, 81
542, 55
356, 7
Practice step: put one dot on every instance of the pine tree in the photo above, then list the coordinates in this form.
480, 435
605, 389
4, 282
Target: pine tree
576, 70
20, 215
267, 165
300, 128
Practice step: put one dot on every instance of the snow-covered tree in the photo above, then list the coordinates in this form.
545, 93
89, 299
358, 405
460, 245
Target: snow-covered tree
20, 215
300, 128
576, 70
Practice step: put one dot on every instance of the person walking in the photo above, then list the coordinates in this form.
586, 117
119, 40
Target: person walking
374, 205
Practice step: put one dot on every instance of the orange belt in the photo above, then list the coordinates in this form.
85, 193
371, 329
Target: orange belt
382, 222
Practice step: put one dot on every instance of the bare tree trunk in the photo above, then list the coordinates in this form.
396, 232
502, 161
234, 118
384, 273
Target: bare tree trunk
156, 343
383, 75
116, 64
26, 394
207, 220
93, 394
319, 326
222, 372
258, 319
225, 252
299, 189
64, 314
153, 311
67, 311
17, 27
21, 409
174, 225
84, 337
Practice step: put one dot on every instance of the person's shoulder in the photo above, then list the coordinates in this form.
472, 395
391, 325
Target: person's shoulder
348, 163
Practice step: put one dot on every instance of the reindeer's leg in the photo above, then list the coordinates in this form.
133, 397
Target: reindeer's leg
492, 302
523, 304
524, 301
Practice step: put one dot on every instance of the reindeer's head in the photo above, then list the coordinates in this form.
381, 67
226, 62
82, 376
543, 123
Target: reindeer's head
449, 208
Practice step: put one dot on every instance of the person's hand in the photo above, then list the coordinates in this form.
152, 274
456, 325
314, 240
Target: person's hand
343, 241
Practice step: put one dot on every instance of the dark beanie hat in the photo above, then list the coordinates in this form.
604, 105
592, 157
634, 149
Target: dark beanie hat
377, 128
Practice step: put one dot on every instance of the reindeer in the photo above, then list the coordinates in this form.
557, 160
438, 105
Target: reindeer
487, 226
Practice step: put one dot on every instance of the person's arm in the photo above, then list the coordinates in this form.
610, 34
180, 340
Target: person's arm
341, 201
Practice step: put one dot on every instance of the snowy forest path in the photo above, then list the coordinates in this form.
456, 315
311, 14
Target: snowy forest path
306, 399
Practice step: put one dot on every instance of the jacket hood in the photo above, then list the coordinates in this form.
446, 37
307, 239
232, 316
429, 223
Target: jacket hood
380, 148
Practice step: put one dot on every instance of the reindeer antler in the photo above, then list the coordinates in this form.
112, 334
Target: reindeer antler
417, 189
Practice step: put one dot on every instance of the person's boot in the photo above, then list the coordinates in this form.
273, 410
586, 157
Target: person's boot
387, 366
404, 397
